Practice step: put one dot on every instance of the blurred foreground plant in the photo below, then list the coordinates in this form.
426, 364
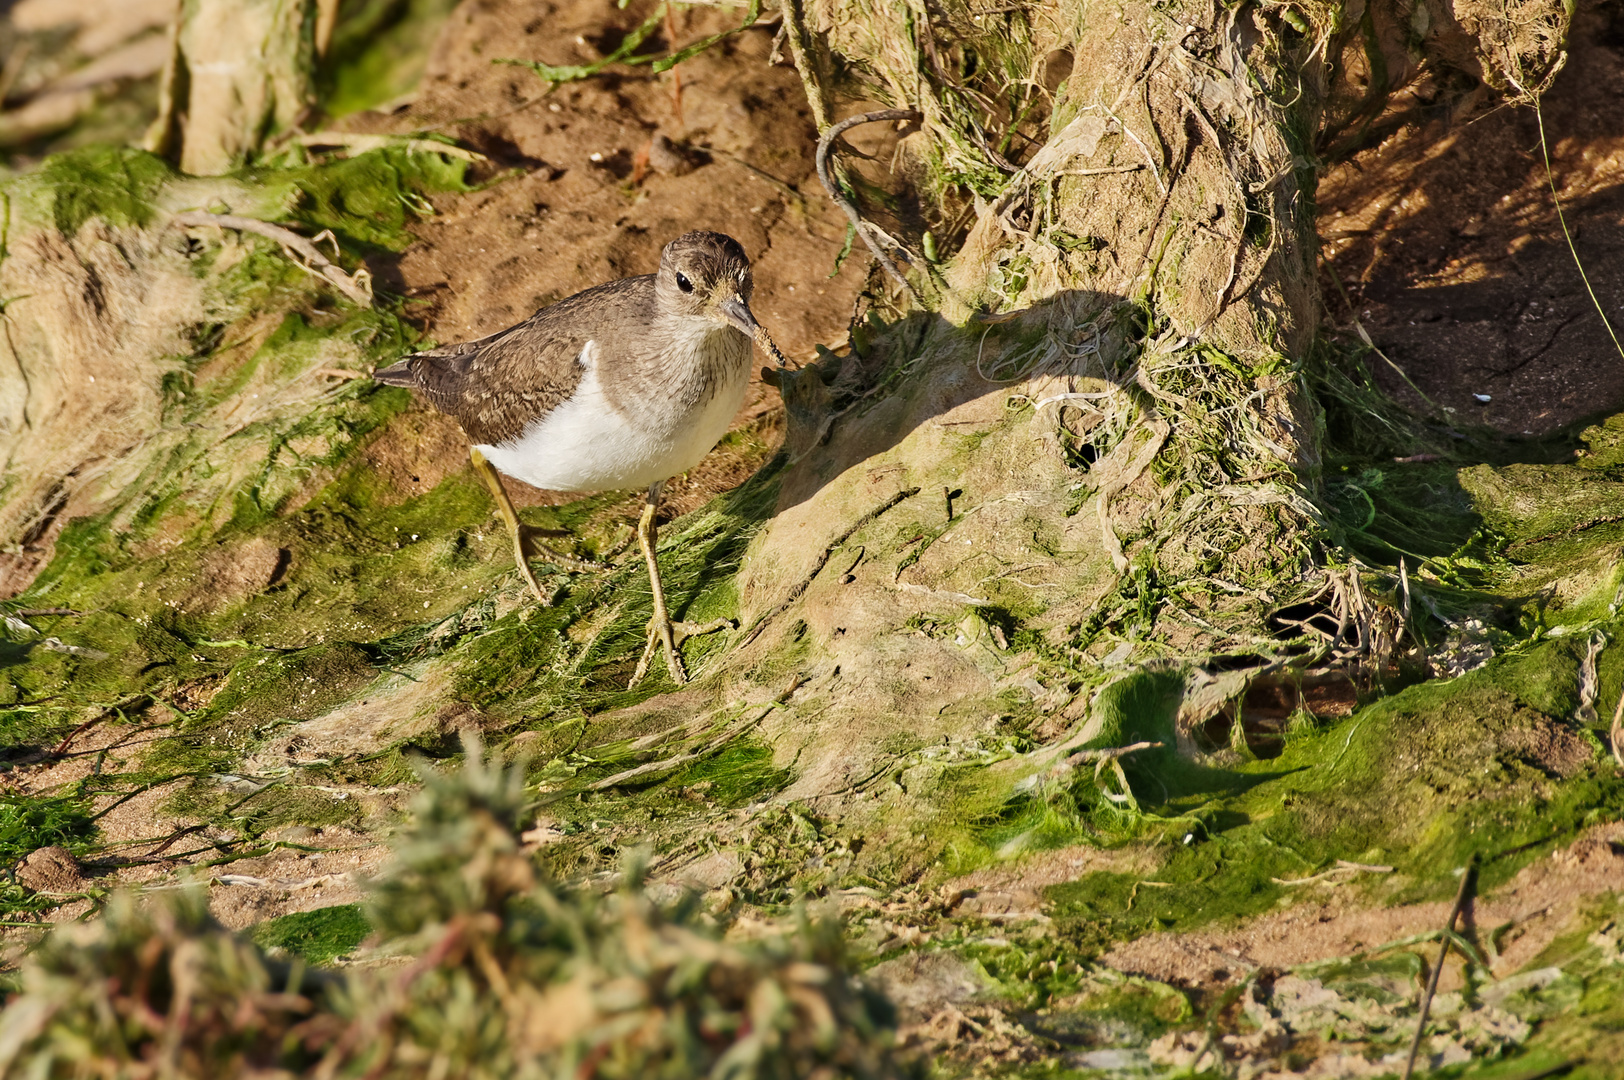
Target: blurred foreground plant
513, 975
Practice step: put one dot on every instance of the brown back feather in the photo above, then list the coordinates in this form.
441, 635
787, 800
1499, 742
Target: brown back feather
497, 385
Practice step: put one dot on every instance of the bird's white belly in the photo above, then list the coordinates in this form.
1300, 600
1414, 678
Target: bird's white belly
586, 444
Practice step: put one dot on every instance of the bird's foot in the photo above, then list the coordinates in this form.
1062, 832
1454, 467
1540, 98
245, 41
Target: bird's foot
535, 589
534, 548
668, 635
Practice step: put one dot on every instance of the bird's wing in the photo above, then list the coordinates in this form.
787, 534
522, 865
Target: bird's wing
497, 385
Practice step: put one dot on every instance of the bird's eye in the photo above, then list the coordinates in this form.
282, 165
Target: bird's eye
683, 283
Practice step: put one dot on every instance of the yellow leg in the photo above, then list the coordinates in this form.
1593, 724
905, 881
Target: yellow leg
509, 515
661, 630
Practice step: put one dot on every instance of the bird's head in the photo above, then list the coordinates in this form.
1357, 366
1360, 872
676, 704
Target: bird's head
707, 275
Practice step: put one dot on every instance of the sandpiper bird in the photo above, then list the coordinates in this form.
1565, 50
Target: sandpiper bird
624, 385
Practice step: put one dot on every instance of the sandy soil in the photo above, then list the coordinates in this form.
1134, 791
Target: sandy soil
1448, 245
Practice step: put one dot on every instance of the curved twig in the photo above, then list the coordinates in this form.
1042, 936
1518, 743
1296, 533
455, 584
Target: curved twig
358, 287
857, 223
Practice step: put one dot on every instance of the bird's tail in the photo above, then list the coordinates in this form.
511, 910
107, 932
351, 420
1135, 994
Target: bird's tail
396, 375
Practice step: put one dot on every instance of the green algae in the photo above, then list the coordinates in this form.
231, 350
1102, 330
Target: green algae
281, 806
1487, 764
102, 660
1420, 780
319, 937
368, 200
1581, 1011
378, 53
118, 185
522, 662
297, 685
30, 822
742, 773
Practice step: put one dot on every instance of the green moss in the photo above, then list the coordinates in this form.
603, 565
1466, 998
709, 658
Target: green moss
742, 773
30, 822
116, 184
378, 52
319, 936
370, 198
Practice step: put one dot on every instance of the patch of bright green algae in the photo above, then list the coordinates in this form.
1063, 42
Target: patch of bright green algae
119, 185
368, 200
319, 937
1491, 764
1487, 764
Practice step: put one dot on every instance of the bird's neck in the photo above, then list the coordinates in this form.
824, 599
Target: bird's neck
690, 339
683, 361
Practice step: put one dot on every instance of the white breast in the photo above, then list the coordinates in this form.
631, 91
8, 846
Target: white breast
588, 444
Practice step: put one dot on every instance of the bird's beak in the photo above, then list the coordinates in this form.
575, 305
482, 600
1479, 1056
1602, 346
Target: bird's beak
736, 312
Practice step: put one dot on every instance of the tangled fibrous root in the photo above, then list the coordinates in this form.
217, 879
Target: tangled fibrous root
1521, 44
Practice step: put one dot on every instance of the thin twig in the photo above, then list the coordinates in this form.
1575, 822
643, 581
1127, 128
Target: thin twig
1468, 876
348, 140
857, 223
358, 288
1342, 866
